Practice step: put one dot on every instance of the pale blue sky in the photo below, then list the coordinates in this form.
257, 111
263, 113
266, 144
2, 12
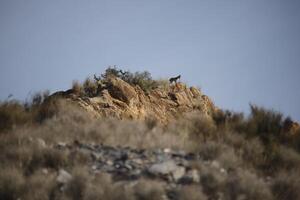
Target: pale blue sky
237, 51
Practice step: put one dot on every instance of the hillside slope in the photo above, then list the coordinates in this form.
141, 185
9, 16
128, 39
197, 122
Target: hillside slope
102, 140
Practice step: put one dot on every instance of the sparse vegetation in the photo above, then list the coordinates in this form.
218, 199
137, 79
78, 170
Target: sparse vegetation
144, 80
241, 157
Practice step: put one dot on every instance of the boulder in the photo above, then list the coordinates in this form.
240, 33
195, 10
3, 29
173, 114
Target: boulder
167, 168
63, 176
121, 90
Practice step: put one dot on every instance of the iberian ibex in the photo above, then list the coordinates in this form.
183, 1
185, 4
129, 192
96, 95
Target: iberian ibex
174, 79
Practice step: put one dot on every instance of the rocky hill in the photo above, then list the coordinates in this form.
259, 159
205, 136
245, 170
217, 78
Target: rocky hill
119, 99
126, 136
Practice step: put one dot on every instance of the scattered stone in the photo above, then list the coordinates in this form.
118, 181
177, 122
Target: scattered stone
178, 173
61, 145
94, 167
109, 162
167, 168
223, 171
96, 155
163, 168
45, 171
126, 164
138, 161
192, 176
63, 176
215, 164
167, 150
41, 142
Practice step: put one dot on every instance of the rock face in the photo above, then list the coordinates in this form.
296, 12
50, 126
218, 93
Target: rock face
122, 100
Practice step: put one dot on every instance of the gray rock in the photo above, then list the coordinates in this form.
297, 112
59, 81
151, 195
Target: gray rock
167, 168
215, 164
178, 173
167, 150
137, 161
45, 171
163, 168
223, 171
109, 162
41, 142
61, 145
192, 176
96, 155
63, 176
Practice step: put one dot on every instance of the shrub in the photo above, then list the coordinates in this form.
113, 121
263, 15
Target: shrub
282, 158
112, 71
286, 186
11, 184
12, 113
245, 185
48, 109
90, 87
191, 193
195, 127
211, 182
76, 188
42, 184
77, 88
38, 98
267, 124
44, 157
147, 190
210, 150
142, 79
202, 128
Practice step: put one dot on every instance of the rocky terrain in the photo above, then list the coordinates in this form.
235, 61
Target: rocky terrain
126, 136
125, 163
121, 100
174, 169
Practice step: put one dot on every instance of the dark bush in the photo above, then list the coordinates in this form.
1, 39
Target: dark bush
47, 109
11, 184
12, 113
286, 186
267, 124
142, 79
90, 87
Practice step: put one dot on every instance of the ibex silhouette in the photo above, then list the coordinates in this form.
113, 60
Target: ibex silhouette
174, 79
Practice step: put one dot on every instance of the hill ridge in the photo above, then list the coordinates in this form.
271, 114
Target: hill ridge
117, 98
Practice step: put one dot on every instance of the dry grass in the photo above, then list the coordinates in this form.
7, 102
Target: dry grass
287, 186
247, 149
245, 185
90, 87
12, 114
77, 88
191, 193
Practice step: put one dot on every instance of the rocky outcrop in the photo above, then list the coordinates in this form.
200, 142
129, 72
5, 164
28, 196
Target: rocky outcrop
122, 100
130, 164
